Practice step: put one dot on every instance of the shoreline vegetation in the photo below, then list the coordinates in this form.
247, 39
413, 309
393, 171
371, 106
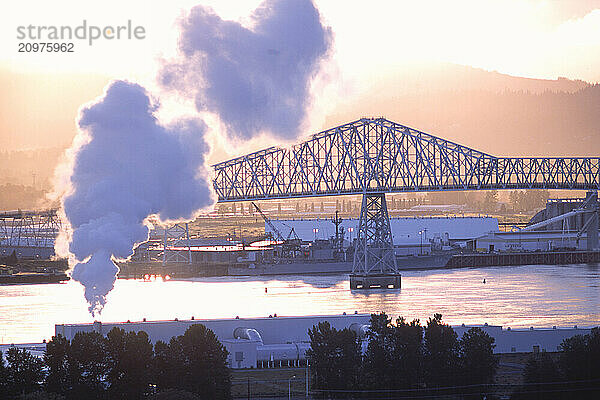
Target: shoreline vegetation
395, 359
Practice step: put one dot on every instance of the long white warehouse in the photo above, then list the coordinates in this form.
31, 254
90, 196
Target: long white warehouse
404, 230
283, 341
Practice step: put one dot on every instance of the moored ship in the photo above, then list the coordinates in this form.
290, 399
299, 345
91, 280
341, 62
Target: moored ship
310, 266
7, 278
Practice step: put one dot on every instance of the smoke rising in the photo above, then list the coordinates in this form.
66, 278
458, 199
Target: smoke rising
256, 79
127, 166
130, 167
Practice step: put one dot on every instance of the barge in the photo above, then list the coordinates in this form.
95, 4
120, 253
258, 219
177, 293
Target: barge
33, 278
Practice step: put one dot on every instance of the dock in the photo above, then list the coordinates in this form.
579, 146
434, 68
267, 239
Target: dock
523, 258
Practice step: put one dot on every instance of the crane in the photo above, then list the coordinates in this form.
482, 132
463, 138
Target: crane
278, 235
290, 245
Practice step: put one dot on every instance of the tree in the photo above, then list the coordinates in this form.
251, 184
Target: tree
407, 353
490, 201
540, 375
88, 365
24, 372
167, 365
57, 363
580, 361
172, 394
207, 372
527, 200
477, 359
40, 395
394, 356
129, 360
3, 375
377, 373
440, 353
472, 200
195, 362
334, 357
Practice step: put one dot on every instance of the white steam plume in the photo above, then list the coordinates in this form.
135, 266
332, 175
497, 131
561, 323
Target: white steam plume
130, 168
127, 166
256, 79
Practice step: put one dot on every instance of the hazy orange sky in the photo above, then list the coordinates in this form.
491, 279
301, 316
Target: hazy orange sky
373, 40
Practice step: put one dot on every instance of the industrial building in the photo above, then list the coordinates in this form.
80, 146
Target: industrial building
529, 241
274, 342
564, 224
251, 342
412, 235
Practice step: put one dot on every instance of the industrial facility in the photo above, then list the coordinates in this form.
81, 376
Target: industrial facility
28, 234
565, 224
375, 156
372, 157
278, 341
411, 235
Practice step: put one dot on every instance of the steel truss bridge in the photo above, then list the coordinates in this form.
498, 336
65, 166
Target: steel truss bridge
374, 156
28, 233
377, 155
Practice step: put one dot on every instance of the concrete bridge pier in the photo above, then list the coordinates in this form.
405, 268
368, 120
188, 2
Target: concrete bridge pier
375, 281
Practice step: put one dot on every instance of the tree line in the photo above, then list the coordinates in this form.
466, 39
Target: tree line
122, 365
401, 359
574, 372
395, 359
408, 360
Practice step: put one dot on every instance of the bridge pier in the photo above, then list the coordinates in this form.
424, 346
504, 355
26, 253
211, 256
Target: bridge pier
375, 281
374, 258
591, 202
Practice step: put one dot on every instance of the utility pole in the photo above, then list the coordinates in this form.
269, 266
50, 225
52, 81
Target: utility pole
290, 387
307, 378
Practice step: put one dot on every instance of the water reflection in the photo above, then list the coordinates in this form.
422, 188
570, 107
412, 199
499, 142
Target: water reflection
512, 296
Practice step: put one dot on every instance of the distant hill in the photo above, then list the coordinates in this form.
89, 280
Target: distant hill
489, 111
433, 77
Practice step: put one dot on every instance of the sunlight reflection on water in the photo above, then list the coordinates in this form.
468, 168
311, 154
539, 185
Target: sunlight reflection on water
512, 296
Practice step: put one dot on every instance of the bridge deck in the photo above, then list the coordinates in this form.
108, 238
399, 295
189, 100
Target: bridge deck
377, 155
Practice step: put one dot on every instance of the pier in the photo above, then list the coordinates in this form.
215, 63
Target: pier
524, 258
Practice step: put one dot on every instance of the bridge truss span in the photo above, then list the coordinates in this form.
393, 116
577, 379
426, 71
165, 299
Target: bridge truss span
377, 155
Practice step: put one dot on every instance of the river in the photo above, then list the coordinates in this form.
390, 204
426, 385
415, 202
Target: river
523, 296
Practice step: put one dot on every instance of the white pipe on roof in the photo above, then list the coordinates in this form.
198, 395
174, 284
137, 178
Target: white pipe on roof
556, 219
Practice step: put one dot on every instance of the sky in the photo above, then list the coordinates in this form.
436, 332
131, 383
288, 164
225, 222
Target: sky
528, 38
